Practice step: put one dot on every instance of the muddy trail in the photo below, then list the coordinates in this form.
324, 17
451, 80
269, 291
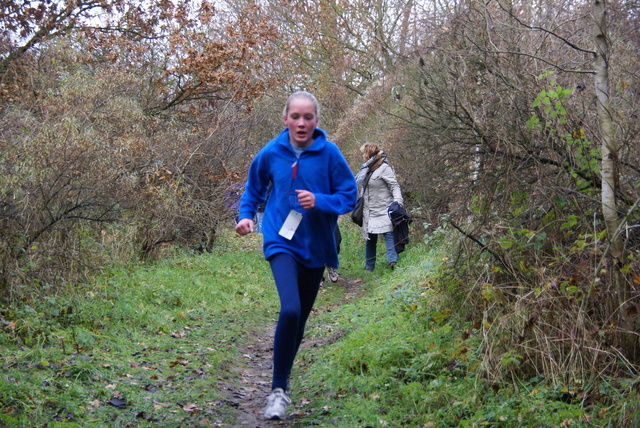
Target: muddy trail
249, 381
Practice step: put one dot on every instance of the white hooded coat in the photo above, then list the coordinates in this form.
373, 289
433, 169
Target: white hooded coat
382, 189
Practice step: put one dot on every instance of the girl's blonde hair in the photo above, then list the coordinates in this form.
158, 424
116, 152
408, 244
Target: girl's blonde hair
301, 94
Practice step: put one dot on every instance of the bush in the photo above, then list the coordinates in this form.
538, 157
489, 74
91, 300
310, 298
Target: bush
90, 178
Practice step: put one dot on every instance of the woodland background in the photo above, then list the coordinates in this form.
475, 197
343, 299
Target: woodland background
126, 129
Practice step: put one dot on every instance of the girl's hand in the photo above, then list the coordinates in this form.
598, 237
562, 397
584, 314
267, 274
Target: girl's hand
245, 226
307, 199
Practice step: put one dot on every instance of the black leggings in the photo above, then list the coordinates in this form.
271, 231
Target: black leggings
297, 287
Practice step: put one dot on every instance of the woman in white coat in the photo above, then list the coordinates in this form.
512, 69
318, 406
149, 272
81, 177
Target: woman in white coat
378, 182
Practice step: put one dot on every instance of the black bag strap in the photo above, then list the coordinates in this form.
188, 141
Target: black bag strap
366, 181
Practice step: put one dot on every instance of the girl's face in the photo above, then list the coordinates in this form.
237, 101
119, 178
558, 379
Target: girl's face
302, 120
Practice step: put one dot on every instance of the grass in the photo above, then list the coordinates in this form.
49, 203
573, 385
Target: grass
147, 345
409, 359
152, 338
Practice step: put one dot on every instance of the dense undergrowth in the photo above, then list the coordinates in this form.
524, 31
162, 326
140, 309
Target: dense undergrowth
410, 358
145, 345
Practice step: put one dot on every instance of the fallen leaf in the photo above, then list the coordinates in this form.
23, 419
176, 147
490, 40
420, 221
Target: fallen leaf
181, 362
151, 388
143, 415
190, 407
117, 402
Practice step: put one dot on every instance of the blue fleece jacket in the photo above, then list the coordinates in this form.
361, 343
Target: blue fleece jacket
320, 169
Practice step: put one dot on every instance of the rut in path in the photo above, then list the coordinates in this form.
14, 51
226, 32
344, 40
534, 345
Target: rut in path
252, 380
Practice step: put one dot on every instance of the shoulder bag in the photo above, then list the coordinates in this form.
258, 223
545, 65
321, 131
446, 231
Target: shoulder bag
357, 215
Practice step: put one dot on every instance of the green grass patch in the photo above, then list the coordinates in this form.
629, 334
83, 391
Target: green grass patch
144, 345
149, 345
406, 358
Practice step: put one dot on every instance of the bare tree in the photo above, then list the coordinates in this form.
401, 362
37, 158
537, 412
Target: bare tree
610, 162
497, 109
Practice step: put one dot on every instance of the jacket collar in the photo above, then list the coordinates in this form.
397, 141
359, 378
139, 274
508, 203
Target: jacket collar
319, 140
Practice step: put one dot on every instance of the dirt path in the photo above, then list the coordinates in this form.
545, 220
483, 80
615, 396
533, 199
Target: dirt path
249, 382
253, 375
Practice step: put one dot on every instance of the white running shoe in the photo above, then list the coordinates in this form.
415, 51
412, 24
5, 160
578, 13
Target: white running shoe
276, 405
333, 274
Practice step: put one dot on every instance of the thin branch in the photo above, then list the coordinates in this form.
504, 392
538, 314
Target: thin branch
556, 66
544, 30
483, 247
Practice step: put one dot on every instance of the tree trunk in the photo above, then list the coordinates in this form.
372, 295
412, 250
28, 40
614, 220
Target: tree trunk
609, 165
